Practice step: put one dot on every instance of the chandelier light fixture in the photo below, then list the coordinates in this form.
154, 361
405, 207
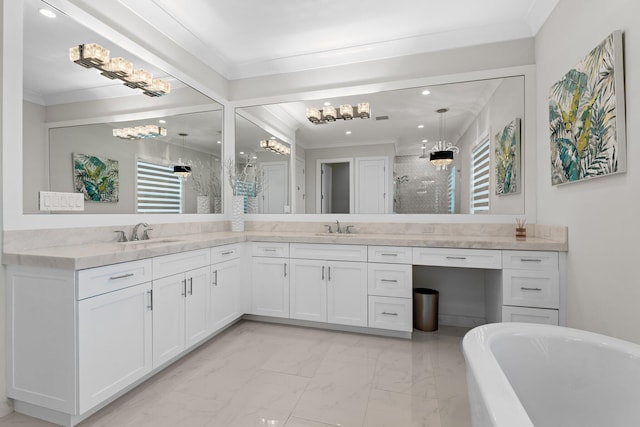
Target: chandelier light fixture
329, 113
275, 146
182, 169
140, 132
92, 55
441, 154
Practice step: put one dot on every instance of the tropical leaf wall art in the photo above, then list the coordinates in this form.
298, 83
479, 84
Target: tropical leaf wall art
586, 116
96, 177
507, 159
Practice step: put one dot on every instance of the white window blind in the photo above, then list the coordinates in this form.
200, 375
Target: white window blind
480, 169
159, 190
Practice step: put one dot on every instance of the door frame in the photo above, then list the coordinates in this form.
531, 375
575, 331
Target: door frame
319, 163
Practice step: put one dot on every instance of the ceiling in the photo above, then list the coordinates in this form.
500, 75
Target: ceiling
249, 38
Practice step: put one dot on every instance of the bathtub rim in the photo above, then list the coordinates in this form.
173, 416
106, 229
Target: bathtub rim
497, 395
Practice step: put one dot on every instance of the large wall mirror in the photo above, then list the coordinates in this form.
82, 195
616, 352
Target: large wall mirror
77, 130
382, 164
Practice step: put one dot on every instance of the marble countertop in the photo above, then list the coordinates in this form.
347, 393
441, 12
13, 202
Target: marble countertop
78, 257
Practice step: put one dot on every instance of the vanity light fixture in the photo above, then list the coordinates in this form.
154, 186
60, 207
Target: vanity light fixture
329, 113
182, 169
275, 146
441, 154
140, 132
92, 55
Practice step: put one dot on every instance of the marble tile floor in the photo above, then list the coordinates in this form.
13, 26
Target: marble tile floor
258, 374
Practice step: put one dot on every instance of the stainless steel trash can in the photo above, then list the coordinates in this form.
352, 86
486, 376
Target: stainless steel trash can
425, 309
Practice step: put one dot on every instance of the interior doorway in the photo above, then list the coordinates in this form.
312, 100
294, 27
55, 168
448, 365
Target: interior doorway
335, 186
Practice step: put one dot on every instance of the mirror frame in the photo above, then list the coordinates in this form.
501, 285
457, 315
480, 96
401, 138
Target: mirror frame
529, 164
13, 217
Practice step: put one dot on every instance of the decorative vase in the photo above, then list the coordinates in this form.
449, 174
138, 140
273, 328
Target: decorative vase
203, 206
217, 205
237, 213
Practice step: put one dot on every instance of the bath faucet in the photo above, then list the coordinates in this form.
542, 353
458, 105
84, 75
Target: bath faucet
338, 229
134, 233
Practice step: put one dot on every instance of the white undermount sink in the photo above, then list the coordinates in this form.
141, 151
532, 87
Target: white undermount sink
334, 234
149, 242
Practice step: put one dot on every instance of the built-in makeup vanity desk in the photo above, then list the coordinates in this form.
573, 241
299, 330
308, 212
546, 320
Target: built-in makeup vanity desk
88, 322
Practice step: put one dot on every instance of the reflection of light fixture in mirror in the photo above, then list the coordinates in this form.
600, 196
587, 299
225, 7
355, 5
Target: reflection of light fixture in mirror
275, 146
182, 169
345, 112
93, 55
140, 132
441, 154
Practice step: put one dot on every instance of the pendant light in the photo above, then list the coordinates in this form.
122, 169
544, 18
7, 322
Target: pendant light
441, 154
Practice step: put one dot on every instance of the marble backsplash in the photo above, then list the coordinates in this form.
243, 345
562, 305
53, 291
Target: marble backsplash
19, 240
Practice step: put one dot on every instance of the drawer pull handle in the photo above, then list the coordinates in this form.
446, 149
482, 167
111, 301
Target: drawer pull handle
389, 280
538, 260
268, 249
285, 269
389, 313
123, 276
329, 273
190, 285
215, 278
460, 258
183, 282
389, 254
150, 306
530, 289
323, 272
227, 253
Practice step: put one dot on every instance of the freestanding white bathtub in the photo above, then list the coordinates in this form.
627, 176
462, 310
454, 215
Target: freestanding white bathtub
523, 375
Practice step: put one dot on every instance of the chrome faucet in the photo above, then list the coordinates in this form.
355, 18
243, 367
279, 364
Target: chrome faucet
338, 229
134, 233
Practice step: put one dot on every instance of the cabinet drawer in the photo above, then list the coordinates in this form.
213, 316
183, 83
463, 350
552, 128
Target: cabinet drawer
168, 265
529, 315
224, 253
530, 260
469, 258
391, 313
329, 252
390, 254
270, 249
530, 288
100, 280
390, 280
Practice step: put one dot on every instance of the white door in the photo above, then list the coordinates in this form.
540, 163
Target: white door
225, 293
114, 343
308, 290
197, 305
168, 318
274, 195
325, 187
301, 187
347, 293
270, 287
371, 185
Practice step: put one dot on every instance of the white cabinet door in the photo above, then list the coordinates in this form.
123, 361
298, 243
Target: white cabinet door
197, 306
114, 343
270, 287
168, 318
308, 290
347, 293
371, 185
225, 294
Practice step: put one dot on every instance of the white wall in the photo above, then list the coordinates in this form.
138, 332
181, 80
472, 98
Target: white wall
602, 214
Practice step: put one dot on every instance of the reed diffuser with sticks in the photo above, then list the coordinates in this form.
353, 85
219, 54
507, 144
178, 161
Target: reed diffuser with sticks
521, 230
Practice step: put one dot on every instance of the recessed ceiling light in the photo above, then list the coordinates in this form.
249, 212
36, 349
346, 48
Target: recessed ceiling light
254, 157
162, 121
348, 132
425, 140
47, 12
273, 137
420, 126
326, 104
426, 92
242, 152
219, 142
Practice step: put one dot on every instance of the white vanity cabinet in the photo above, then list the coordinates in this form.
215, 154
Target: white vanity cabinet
225, 286
530, 287
324, 289
76, 337
181, 302
270, 279
390, 288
